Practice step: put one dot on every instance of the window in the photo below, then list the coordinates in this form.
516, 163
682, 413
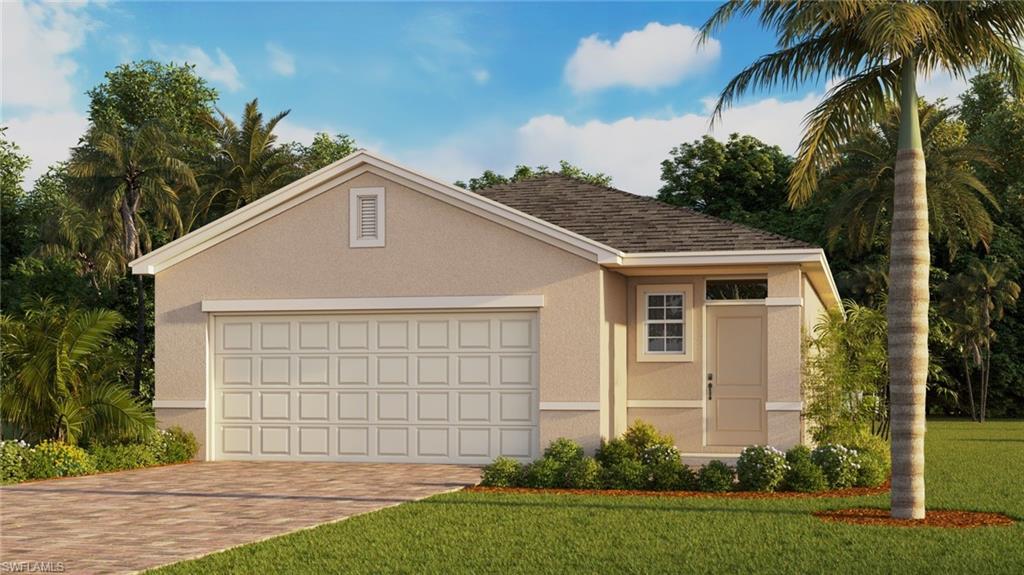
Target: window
366, 217
735, 289
664, 322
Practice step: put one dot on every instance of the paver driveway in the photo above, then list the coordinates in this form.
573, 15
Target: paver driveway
135, 520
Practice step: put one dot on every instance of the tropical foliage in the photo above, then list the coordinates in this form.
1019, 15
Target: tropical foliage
60, 376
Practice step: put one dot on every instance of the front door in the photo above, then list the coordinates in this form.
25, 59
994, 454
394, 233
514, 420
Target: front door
737, 375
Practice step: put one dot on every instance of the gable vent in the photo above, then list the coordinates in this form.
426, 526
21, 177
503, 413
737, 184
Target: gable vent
366, 217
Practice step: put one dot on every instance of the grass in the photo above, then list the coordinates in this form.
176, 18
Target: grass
969, 466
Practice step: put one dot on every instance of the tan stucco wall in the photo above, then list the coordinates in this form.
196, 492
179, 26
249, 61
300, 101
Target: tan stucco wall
614, 370
685, 380
432, 249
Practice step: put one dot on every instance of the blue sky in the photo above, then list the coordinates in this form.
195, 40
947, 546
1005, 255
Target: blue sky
448, 89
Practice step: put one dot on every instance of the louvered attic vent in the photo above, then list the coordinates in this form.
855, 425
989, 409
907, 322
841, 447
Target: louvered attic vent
366, 217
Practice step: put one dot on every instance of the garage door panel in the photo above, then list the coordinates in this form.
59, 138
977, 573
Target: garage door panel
430, 387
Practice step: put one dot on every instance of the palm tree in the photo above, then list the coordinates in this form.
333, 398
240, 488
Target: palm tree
958, 202
877, 49
59, 375
974, 299
248, 163
126, 175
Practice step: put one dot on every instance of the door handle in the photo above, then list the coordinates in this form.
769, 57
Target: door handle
711, 385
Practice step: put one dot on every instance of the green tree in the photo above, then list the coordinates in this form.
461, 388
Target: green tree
323, 151
975, 299
142, 93
878, 49
59, 375
247, 163
13, 228
862, 183
126, 175
732, 180
491, 178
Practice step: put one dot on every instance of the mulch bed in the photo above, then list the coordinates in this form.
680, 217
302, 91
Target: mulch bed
933, 518
851, 492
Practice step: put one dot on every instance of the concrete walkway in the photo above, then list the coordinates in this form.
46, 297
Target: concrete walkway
134, 520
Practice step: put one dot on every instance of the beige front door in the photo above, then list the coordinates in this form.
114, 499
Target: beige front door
736, 375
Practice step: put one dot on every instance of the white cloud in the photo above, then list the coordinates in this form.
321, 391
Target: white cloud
38, 40
656, 56
942, 85
45, 137
281, 61
629, 149
38, 92
288, 131
220, 70
481, 76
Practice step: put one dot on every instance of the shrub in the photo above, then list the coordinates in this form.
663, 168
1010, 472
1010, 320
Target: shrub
624, 474
503, 472
715, 476
650, 445
583, 473
613, 452
543, 473
760, 468
670, 475
51, 459
122, 456
564, 451
838, 463
801, 473
874, 460
12, 461
173, 445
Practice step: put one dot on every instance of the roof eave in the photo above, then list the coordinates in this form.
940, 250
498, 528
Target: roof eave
813, 258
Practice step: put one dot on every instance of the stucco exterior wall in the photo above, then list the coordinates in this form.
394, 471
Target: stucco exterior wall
679, 386
614, 371
432, 249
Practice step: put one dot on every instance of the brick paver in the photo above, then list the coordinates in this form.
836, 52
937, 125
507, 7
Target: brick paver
134, 520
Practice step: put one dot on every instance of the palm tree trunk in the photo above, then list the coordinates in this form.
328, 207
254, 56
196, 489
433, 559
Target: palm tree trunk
970, 389
140, 333
986, 360
908, 309
133, 249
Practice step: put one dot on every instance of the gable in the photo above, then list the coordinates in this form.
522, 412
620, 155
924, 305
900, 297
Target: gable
338, 174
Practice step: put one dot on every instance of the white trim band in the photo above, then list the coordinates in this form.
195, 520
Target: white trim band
784, 301
711, 455
375, 303
666, 403
570, 406
784, 406
179, 403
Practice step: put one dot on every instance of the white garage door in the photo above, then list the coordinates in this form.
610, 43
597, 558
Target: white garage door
429, 387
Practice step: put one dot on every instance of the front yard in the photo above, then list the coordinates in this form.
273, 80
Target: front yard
970, 466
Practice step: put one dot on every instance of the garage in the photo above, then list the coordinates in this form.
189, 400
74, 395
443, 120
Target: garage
431, 386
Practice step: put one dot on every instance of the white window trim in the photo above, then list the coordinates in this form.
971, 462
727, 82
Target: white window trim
354, 241
640, 323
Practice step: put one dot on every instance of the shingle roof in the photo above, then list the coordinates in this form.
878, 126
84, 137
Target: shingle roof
628, 222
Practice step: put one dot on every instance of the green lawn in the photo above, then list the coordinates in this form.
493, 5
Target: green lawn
970, 466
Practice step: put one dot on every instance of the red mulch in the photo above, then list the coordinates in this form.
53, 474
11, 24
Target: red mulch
933, 518
851, 492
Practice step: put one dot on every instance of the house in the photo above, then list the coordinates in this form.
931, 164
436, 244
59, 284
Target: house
368, 312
